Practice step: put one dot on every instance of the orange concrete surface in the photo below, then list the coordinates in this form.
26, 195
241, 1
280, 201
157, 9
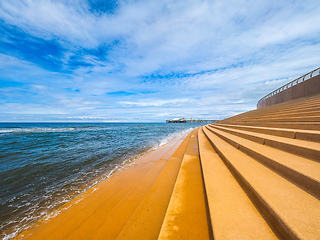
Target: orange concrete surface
291, 212
232, 213
273, 153
148, 217
85, 217
251, 176
186, 217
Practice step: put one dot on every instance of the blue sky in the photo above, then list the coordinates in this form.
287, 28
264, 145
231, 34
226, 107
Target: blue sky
147, 60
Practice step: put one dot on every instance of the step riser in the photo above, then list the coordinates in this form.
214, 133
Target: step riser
298, 105
301, 106
308, 136
231, 212
299, 151
262, 114
278, 133
293, 119
298, 113
312, 137
312, 107
308, 108
309, 185
249, 137
285, 118
277, 225
286, 125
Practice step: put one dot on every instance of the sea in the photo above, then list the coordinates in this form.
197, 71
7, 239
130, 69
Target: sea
44, 165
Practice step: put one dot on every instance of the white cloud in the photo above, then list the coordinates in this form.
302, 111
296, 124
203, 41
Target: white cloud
86, 117
213, 57
155, 103
39, 87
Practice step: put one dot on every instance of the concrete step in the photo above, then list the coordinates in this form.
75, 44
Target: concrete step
303, 104
256, 114
89, 208
305, 114
313, 136
303, 148
147, 219
118, 217
186, 216
301, 113
315, 118
299, 104
285, 125
232, 214
304, 110
290, 212
298, 170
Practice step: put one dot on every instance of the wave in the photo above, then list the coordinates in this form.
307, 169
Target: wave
48, 129
170, 137
20, 130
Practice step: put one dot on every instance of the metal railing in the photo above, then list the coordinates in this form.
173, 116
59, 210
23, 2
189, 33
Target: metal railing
292, 83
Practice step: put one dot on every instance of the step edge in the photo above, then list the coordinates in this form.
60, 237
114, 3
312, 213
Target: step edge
275, 222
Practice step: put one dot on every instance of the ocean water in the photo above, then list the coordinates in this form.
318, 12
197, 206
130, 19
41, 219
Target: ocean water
44, 165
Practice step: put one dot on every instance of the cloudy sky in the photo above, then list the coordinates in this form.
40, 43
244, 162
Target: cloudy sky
147, 60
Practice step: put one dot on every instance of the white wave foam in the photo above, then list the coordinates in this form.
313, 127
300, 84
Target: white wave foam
19, 130
11, 235
170, 137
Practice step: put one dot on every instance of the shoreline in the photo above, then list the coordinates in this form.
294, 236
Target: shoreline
48, 196
99, 185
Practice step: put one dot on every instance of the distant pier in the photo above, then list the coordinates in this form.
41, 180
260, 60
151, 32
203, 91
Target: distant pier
183, 120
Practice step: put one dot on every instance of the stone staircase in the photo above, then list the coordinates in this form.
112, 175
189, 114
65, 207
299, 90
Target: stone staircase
240, 178
252, 176
273, 153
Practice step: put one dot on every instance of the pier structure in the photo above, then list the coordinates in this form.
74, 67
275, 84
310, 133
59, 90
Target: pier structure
202, 121
252, 176
183, 120
177, 120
